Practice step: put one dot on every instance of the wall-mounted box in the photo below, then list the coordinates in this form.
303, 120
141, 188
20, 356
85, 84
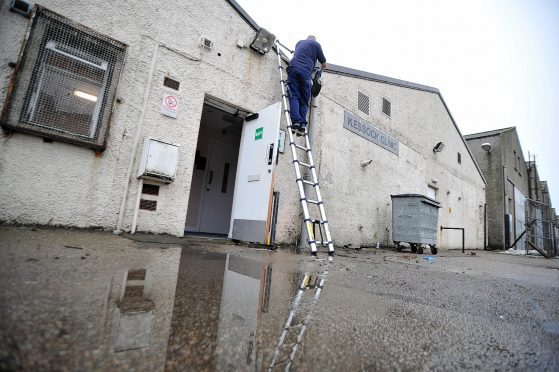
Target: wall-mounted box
159, 161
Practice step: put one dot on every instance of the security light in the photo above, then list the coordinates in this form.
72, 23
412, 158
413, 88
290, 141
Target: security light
438, 147
486, 146
263, 41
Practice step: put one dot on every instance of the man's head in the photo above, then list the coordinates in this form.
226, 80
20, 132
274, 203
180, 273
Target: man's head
311, 37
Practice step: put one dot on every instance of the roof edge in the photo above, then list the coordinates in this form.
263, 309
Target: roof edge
341, 70
489, 133
463, 139
248, 19
346, 71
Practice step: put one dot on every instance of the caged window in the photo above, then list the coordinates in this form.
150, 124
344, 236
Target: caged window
66, 83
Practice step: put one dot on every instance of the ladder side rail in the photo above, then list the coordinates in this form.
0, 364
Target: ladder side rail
294, 308
308, 318
319, 198
302, 195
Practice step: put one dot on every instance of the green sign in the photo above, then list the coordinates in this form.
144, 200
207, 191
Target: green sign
258, 133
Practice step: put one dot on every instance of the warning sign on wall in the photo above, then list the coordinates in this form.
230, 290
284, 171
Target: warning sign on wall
169, 106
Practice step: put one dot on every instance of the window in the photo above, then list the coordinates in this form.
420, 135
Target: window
67, 82
432, 192
386, 107
459, 158
363, 102
515, 160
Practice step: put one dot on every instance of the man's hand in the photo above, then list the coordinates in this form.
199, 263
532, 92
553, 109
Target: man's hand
324, 65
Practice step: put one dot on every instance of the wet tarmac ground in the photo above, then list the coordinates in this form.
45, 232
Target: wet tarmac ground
86, 300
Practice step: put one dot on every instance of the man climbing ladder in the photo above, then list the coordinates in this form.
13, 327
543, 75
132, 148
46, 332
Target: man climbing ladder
299, 80
310, 223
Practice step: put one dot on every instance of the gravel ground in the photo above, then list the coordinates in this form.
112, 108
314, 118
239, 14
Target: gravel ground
88, 300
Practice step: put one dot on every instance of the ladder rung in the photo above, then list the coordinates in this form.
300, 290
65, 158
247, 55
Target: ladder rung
290, 344
301, 147
282, 363
318, 221
314, 201
304, 164
307, 182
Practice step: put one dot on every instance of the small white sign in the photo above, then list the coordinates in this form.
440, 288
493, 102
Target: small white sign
169, 106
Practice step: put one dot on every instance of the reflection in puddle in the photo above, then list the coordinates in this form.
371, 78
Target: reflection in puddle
221, 318
298, 320
173, 309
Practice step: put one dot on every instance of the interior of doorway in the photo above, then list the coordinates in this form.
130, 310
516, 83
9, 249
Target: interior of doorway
215, 165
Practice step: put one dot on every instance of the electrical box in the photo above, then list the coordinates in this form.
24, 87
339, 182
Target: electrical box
159, 161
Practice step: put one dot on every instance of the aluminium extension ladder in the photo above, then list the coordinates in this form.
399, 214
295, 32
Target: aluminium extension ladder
310, 223
298, 321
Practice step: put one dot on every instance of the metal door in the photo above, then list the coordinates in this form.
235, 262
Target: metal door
254, 181
218, 189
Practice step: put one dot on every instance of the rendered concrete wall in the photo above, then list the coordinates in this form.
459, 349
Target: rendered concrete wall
63, 184
358, 196
513, 158
505, 169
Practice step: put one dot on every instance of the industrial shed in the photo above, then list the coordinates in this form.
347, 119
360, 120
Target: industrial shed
139, 121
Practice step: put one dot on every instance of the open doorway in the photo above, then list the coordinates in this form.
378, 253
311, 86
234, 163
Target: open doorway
232, 182
215, 168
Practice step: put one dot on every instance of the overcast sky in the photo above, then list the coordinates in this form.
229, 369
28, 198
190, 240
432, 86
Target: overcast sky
496, 62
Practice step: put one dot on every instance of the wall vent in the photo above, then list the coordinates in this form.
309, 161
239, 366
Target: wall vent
170, 83
21, 7
150, 189
206, 43
363, 102
386, 107
150, 205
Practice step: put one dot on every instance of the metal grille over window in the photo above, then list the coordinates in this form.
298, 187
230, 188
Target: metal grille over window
363, 102
67, 82
386, 107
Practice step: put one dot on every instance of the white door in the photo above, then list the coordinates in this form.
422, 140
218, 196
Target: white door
254, 180
238, 315
218, 188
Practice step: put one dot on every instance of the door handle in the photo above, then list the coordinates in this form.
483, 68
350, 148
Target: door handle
271, 153
211, 177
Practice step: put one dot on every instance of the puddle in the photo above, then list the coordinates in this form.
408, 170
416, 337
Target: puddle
207, 305
229, 312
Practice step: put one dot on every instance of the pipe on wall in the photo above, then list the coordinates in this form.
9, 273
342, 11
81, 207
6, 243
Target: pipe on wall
136, 141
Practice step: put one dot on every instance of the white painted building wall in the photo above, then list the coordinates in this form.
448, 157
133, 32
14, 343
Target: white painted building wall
61, 184
357, 197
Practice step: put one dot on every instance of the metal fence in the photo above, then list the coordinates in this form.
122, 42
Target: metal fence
540, 228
